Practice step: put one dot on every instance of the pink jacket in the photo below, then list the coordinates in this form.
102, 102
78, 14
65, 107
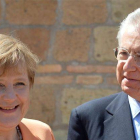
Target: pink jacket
35, 130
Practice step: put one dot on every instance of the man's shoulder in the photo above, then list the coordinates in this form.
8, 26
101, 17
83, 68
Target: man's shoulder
91, 115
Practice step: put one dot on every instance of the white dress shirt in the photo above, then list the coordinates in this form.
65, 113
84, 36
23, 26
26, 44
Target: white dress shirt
135, 112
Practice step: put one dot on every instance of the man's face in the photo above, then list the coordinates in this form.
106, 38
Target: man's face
128, 72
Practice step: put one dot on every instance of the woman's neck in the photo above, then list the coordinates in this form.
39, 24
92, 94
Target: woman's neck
9, 135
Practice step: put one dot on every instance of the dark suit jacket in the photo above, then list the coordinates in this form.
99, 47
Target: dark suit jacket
107, 118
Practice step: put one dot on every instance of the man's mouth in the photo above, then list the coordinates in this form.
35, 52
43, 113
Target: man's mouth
129, 78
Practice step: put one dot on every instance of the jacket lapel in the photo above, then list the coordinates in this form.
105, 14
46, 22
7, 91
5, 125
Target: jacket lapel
118, 124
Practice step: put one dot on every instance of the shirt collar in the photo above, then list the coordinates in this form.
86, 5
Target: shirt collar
134, 106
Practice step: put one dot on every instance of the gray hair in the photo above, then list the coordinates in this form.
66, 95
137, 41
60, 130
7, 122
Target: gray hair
133, 20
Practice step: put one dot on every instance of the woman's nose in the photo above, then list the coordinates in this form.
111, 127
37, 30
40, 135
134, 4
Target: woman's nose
130, 64
9, 95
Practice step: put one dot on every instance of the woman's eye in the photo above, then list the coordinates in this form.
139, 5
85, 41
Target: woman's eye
19, 84
2, 86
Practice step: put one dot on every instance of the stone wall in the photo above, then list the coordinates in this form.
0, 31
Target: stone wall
74, 40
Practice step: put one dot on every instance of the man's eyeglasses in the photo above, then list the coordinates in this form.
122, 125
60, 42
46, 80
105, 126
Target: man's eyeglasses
123, 54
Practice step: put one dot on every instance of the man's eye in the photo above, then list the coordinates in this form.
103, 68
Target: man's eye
138, 55
123, 53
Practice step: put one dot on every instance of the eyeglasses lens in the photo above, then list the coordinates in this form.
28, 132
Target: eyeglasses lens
123, 54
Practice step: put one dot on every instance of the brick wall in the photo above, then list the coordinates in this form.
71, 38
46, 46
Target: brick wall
74, 40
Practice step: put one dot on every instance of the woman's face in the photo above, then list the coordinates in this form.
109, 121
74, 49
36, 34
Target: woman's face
14, 96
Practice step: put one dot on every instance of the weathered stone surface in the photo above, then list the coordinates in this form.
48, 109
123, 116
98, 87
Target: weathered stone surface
31, 12
65, 79
112, 81
6, 31
105, 41
72, 44
49, 68
60, 134
89, 80
62, 33
91, 69
121, 8
72, 97
84, 11
0, 11
42, 104
37, 40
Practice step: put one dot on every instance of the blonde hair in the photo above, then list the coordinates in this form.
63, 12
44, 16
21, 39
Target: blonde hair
13, 52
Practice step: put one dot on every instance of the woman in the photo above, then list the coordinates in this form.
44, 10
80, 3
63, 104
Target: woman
17, 71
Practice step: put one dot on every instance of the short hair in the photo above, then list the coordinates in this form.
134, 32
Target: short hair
133, 20
13, 52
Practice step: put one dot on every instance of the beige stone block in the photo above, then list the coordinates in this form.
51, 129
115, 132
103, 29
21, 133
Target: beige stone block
105, 41
91, 69
6, 31
112, 81
31, 12
56, 68
77, 12
0, 11
42, 104
37, 40
64, 79
72, 44
121, 8
89, 80
60, 134
72, 97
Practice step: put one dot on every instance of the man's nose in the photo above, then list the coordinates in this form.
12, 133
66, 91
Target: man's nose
130, 64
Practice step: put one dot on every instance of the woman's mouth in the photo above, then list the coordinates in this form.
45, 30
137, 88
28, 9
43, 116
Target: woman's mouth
9, 109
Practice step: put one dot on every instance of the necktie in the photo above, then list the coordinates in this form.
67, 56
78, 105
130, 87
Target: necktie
137, 126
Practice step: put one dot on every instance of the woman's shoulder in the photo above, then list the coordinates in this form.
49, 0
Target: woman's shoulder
38, 128
34, 123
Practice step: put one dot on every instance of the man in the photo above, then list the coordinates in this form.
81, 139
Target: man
115, 117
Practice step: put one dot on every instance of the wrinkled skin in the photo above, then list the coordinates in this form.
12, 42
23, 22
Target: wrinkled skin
128, 72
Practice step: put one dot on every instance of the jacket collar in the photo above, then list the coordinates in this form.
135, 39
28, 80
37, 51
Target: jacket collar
118, 124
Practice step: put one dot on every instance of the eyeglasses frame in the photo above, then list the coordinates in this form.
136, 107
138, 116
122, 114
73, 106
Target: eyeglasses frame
134, 55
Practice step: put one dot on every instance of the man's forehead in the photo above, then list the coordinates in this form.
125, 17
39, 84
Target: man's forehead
131, 37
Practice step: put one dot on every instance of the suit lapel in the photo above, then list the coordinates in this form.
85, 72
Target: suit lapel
118, 125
